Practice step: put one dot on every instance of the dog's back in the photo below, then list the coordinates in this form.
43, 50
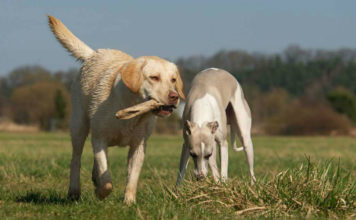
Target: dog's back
99, 69
102, 63
98, 75
217, 82
217, 99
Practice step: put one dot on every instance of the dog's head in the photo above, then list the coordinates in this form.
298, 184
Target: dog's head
201, 140
154, 78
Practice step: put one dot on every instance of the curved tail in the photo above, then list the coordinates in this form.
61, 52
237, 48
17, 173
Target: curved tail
233, 140
76, 47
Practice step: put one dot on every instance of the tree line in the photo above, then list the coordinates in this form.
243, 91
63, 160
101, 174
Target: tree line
298, 91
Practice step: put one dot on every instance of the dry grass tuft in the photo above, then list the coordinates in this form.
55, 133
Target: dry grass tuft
310, 190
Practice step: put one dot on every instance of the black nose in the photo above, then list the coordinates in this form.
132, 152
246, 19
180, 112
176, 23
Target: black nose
173, 97
200, 177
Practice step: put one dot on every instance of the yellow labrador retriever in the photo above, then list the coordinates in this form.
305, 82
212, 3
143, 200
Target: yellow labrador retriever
111, 80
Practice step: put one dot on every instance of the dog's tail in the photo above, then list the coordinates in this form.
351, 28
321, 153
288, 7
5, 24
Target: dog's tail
233, 139
231, 118
76, 47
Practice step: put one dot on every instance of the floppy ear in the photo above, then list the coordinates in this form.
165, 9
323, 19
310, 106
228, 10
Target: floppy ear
213, 126
179, 85
189, 126
131, 75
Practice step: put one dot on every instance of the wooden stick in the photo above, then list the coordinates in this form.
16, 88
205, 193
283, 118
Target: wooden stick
138, 109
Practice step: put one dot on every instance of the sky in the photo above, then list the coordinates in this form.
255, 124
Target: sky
171, 29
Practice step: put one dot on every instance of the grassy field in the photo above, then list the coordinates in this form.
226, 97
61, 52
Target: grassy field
297, 176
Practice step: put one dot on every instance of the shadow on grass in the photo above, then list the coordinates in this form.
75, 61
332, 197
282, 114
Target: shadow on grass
43, 198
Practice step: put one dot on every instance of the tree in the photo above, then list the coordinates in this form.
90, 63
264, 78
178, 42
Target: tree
60, 111
4, 95
60, 105
36, 104
67, 77
343, 101
28, 75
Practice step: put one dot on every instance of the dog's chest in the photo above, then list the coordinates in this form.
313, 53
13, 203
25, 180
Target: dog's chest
130, 133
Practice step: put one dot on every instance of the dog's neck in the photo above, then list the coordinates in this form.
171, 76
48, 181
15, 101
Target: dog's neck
125, 97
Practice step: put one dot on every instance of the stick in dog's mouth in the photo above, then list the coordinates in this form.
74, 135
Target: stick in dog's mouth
164, 110
139, 109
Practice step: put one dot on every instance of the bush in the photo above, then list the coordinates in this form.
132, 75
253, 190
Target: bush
343, 101
36, 104
302, 118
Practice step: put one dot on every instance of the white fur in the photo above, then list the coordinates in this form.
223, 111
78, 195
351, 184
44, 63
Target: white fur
244, 121
203, 162
212, 68
220, 90
205, 109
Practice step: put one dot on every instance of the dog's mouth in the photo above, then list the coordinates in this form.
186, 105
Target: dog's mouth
164, 110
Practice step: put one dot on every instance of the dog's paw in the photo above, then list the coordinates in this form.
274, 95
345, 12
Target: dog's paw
253, 180
103, 191
74, 194
129, 199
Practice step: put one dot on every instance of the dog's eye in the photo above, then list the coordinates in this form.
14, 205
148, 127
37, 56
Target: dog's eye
207, 156
173, 80
193, 155
154, 78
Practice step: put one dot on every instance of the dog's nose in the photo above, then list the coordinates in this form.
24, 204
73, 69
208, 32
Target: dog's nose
173, 97
200, 176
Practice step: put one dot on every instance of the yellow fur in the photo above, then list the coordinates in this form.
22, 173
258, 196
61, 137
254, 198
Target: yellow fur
111, 80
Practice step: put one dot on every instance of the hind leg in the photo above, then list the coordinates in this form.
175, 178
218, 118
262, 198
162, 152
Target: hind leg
101, 175
244, 121
247, 142
79, 129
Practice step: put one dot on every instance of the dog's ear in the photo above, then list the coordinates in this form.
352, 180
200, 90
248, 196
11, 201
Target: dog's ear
131, 75
213, 126
189, 126
179, 85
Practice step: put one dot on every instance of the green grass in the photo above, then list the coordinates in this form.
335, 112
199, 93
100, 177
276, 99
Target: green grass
297, 176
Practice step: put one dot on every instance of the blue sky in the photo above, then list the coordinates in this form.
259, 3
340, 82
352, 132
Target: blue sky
171, 29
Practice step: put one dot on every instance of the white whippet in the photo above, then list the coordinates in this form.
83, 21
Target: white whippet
215, 99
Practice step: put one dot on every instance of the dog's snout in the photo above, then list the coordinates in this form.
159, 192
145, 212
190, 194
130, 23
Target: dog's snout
173, 97
200, 176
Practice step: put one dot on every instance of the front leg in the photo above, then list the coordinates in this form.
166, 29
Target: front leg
213, 165
184, 159
134, 164
224, 159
